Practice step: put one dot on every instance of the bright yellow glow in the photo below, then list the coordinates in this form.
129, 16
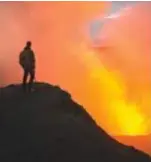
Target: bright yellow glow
130, 119
127, 115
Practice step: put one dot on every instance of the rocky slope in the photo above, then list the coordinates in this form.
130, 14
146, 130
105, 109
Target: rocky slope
47, 125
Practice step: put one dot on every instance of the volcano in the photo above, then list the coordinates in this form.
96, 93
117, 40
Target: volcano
48, 125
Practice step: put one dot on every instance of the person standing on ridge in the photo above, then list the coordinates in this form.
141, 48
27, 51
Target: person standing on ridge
27, 62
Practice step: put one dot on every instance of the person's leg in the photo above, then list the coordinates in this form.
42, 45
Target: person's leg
25, 76
32, 77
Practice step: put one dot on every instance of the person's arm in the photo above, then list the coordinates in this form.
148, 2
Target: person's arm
21, 58
33, 58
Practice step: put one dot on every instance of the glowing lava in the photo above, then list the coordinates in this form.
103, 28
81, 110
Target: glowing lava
126, 114
122, 78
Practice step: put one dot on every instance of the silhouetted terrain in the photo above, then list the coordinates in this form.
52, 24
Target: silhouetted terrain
47, 125
142, 142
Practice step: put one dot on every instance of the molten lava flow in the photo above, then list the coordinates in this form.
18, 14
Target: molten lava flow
126, 114
124, 78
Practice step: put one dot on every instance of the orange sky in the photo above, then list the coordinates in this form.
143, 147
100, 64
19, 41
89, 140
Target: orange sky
112, 83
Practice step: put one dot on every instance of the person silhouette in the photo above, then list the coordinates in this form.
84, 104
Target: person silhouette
27, 62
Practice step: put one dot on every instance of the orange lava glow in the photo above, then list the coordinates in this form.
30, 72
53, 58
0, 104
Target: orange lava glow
112, 83
128, 91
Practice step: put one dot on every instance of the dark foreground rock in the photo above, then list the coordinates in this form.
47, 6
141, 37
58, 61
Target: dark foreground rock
48, 126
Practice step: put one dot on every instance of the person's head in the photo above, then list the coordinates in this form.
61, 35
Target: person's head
28, 44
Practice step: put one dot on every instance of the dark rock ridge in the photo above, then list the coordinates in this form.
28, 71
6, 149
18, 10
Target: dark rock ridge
48, 126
